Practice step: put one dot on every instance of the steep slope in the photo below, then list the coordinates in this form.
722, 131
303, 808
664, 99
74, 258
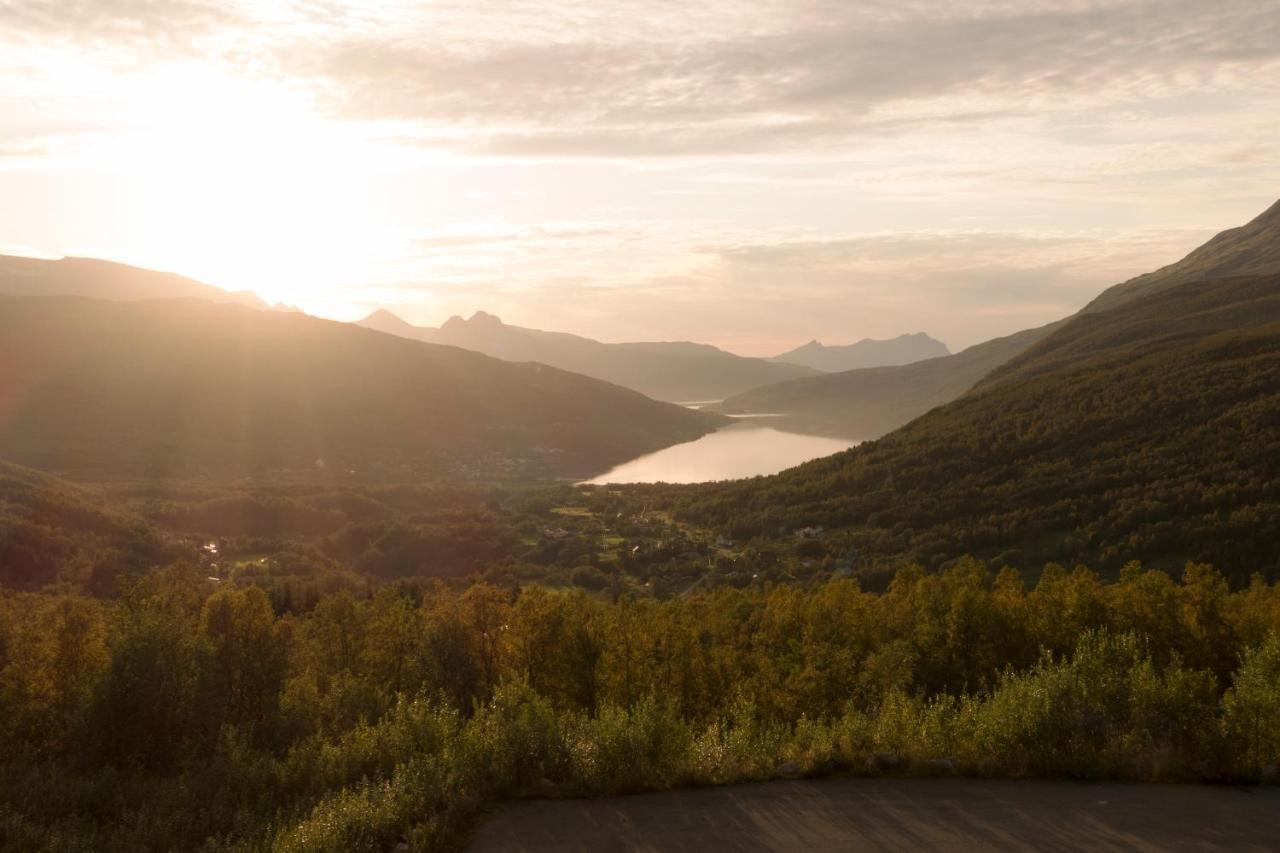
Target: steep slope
674, 371
866, 404
106, 280
1251, 249
904, 349
177, 388
1150, 431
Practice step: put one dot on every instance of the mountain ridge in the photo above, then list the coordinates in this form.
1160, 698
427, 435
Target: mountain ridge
867, 405
904, 349
101, 279
674, 371
173, 388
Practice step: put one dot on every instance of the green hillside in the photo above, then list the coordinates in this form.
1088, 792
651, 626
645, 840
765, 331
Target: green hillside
171, 389
1150, 431
51, 531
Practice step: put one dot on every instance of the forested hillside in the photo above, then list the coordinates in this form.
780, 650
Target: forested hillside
52, 531
1150, 431
173, 389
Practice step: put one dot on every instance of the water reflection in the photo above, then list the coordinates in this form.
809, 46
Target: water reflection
739, 450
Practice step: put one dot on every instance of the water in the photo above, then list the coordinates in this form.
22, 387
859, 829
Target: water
739, 450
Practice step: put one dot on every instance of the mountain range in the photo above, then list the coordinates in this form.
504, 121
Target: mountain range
868, 403
187, 388
672, 371
904, 349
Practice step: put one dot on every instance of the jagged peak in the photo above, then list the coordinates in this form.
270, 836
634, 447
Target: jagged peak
479, 319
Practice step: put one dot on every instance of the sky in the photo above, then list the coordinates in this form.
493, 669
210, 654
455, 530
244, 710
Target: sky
748, 173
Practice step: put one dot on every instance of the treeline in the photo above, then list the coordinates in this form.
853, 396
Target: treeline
192, 715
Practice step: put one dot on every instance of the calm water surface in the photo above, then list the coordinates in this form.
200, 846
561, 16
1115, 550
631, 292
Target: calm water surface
740, 450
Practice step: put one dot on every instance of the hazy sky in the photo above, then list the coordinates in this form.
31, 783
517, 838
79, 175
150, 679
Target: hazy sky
750, 173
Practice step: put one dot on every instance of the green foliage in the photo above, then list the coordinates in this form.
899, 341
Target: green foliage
644, 747
190, 716
1251, 719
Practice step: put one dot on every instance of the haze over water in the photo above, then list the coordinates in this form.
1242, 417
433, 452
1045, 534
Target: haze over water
741, 450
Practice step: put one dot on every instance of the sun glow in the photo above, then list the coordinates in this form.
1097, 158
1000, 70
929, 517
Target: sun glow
245, 187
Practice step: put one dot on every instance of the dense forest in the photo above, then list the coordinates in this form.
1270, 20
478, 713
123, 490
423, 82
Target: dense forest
189, 714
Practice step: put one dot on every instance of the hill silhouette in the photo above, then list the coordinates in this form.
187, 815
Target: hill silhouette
673, 371
866, 404
904, 349
175, 388
107, 280
1149, 431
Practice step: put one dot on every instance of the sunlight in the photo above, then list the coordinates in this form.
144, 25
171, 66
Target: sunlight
245, 187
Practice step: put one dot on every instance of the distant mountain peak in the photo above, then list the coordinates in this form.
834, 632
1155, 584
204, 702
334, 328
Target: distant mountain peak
478, 321
385, 320
485, 319
904, 349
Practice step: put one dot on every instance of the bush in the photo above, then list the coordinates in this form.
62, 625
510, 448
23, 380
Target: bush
1251, 710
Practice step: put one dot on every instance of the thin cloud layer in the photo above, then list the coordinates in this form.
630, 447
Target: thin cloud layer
750, 173
826, 75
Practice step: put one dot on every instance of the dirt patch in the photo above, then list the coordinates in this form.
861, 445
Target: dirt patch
896, 814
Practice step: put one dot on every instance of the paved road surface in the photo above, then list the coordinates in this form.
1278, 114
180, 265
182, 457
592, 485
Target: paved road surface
895, 814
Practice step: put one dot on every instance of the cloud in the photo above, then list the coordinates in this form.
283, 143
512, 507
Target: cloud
138, 22
627, 281
755, 172
826, 73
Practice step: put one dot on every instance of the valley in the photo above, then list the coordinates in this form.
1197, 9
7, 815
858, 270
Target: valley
639, 426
